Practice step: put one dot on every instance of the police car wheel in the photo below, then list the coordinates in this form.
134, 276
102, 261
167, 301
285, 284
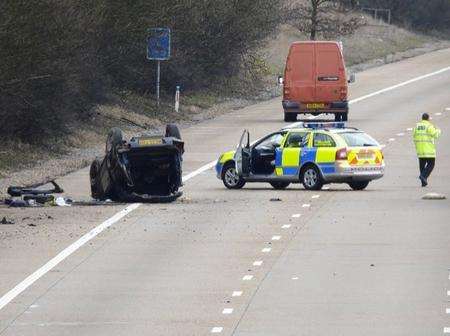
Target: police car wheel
279, 185
230, 177
358, 185
311, 178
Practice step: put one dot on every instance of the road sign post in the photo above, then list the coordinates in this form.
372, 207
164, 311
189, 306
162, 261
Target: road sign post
158, 49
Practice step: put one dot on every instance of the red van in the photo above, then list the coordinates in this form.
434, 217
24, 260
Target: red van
315, 81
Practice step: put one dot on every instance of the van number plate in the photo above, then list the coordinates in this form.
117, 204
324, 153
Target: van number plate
315, 105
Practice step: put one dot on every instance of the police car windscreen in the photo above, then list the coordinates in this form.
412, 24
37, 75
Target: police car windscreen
358, 139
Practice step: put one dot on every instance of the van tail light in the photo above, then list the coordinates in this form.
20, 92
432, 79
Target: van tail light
341, 154
343, 93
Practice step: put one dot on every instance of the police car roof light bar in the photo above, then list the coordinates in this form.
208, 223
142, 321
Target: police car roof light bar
323, 125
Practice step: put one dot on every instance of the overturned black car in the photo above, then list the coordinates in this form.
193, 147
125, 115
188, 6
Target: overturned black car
144, 169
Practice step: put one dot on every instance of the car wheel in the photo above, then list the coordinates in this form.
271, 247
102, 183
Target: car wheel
311, 178
96, 191
279, 185
173, 131
359, 185
290, 117
115, 137
230, 177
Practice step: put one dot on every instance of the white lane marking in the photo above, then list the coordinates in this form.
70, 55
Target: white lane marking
315, 196
294, 278
393, 87
227, 311
409, 129
447, 310
286, 226
438, 113
216, 330
296, 215
448, 293
257, 263
446, 330
27, 282
306, 205
400, 134
391, 139
449, 277
247, 277
199, 171
266, 249
276, 237
9, 296
236, 293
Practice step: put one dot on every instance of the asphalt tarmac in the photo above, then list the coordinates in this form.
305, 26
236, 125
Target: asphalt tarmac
233, 262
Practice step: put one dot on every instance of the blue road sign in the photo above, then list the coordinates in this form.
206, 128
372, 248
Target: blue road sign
158, 44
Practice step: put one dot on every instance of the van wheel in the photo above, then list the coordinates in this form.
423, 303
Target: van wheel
359, 185
290, 117
311, 178
230, 177
279, 185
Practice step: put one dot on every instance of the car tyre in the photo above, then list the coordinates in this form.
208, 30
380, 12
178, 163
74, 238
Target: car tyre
94, 171
289, 117
359, 185
279, 185
115, 138
311, 178
230, 178
173, 131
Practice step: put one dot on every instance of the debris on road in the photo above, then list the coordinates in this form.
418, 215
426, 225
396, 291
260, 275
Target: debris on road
276, 199
144, 169
7, 221
32, 196
434, 196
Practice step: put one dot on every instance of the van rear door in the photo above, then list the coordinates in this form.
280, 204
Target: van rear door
330, 73
300, 73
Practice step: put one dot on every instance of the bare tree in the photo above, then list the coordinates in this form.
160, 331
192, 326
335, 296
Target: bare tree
325, 17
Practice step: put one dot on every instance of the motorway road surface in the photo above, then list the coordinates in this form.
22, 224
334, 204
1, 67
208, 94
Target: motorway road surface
333, 262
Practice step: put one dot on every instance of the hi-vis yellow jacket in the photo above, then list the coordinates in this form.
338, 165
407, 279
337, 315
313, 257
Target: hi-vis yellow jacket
424, 137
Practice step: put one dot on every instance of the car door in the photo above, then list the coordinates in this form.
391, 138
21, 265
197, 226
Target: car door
243, 155
325, 147
288, 162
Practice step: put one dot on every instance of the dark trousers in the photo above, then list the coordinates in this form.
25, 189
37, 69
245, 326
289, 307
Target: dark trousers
426, 166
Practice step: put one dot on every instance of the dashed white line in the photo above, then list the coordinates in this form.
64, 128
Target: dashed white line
448, 293
247, 277
227, 311
236, 293
447, 310
216, 330
409, 129
447, 108
391, 139
286, 226
296, 215
276, 237
446, 330
294, 278
306, 205
257, 263
438, 113
315, 196
266, 249
400, 134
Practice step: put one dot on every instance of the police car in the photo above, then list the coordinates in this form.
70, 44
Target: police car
313, 154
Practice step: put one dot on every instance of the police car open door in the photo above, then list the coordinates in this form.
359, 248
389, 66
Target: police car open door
242, 155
